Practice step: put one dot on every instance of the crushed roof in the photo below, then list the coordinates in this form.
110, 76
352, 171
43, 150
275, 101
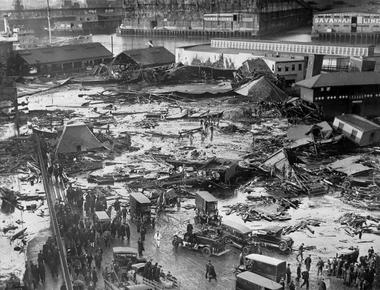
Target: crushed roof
65, 53
338, 79
262, 89
149, 56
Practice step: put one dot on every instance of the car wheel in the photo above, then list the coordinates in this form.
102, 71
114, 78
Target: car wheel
245, 250
206, 251
283, 246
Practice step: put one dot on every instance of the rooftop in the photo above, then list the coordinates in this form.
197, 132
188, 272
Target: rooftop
358, 122
339, 79
354, 10
65, 53
157, 55
294, 42
284, 59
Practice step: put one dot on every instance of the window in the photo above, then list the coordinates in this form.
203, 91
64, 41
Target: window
340, 126
279, 68
300, 66
354, 133
293, 67
328, 89
272, 67
286, 68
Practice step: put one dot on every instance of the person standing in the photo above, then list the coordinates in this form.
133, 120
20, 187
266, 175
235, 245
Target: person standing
292, 286
127, 231
308, 263
300, 252
157, 238
122, 231
320, 265
140, 247
288, 275
298, 272
94, 277
305, 277
210, 271
142, 233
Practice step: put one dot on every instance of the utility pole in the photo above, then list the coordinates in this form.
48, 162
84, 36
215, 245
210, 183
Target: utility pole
48, 18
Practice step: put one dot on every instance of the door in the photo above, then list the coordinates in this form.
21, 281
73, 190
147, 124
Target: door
354, 24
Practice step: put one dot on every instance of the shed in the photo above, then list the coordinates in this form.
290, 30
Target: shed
358, 129
63, 58
77, 137
145, 57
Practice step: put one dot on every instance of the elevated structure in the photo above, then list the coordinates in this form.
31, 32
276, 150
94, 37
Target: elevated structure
295, 47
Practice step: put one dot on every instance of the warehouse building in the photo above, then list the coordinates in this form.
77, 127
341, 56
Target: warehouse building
66, 58
220, 17
343, 93
345, 25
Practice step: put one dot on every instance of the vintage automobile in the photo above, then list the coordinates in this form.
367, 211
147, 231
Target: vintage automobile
166, 282
271, 268
209, 242
140, 207
122, 256
206, 209
103, 219
272, 237
238, 235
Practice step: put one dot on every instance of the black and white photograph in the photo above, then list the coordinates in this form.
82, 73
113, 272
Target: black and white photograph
189, 144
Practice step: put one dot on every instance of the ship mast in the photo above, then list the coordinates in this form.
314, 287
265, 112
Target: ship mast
48, 19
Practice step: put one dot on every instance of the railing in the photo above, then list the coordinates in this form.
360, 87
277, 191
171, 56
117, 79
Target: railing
53, 217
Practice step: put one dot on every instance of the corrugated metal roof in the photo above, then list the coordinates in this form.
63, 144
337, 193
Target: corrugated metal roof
358, 122
339, 79
151, 56
65, 53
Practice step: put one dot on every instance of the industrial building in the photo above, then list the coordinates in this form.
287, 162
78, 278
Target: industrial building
343, 93
291, 60
220, 17
66, 58
344, 25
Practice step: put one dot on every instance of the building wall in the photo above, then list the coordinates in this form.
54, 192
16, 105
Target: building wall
345, 22
276, 14
295, 47
361, 137
291, 70
216, 59
334, 101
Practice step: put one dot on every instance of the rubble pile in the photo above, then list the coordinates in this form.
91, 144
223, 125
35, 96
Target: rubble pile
16, 156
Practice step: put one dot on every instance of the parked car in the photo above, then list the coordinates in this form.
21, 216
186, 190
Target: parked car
238, 235
209, 242
273, 237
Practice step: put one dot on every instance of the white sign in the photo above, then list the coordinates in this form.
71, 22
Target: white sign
332, 20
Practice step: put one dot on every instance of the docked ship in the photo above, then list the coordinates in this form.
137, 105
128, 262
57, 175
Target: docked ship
218, 18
